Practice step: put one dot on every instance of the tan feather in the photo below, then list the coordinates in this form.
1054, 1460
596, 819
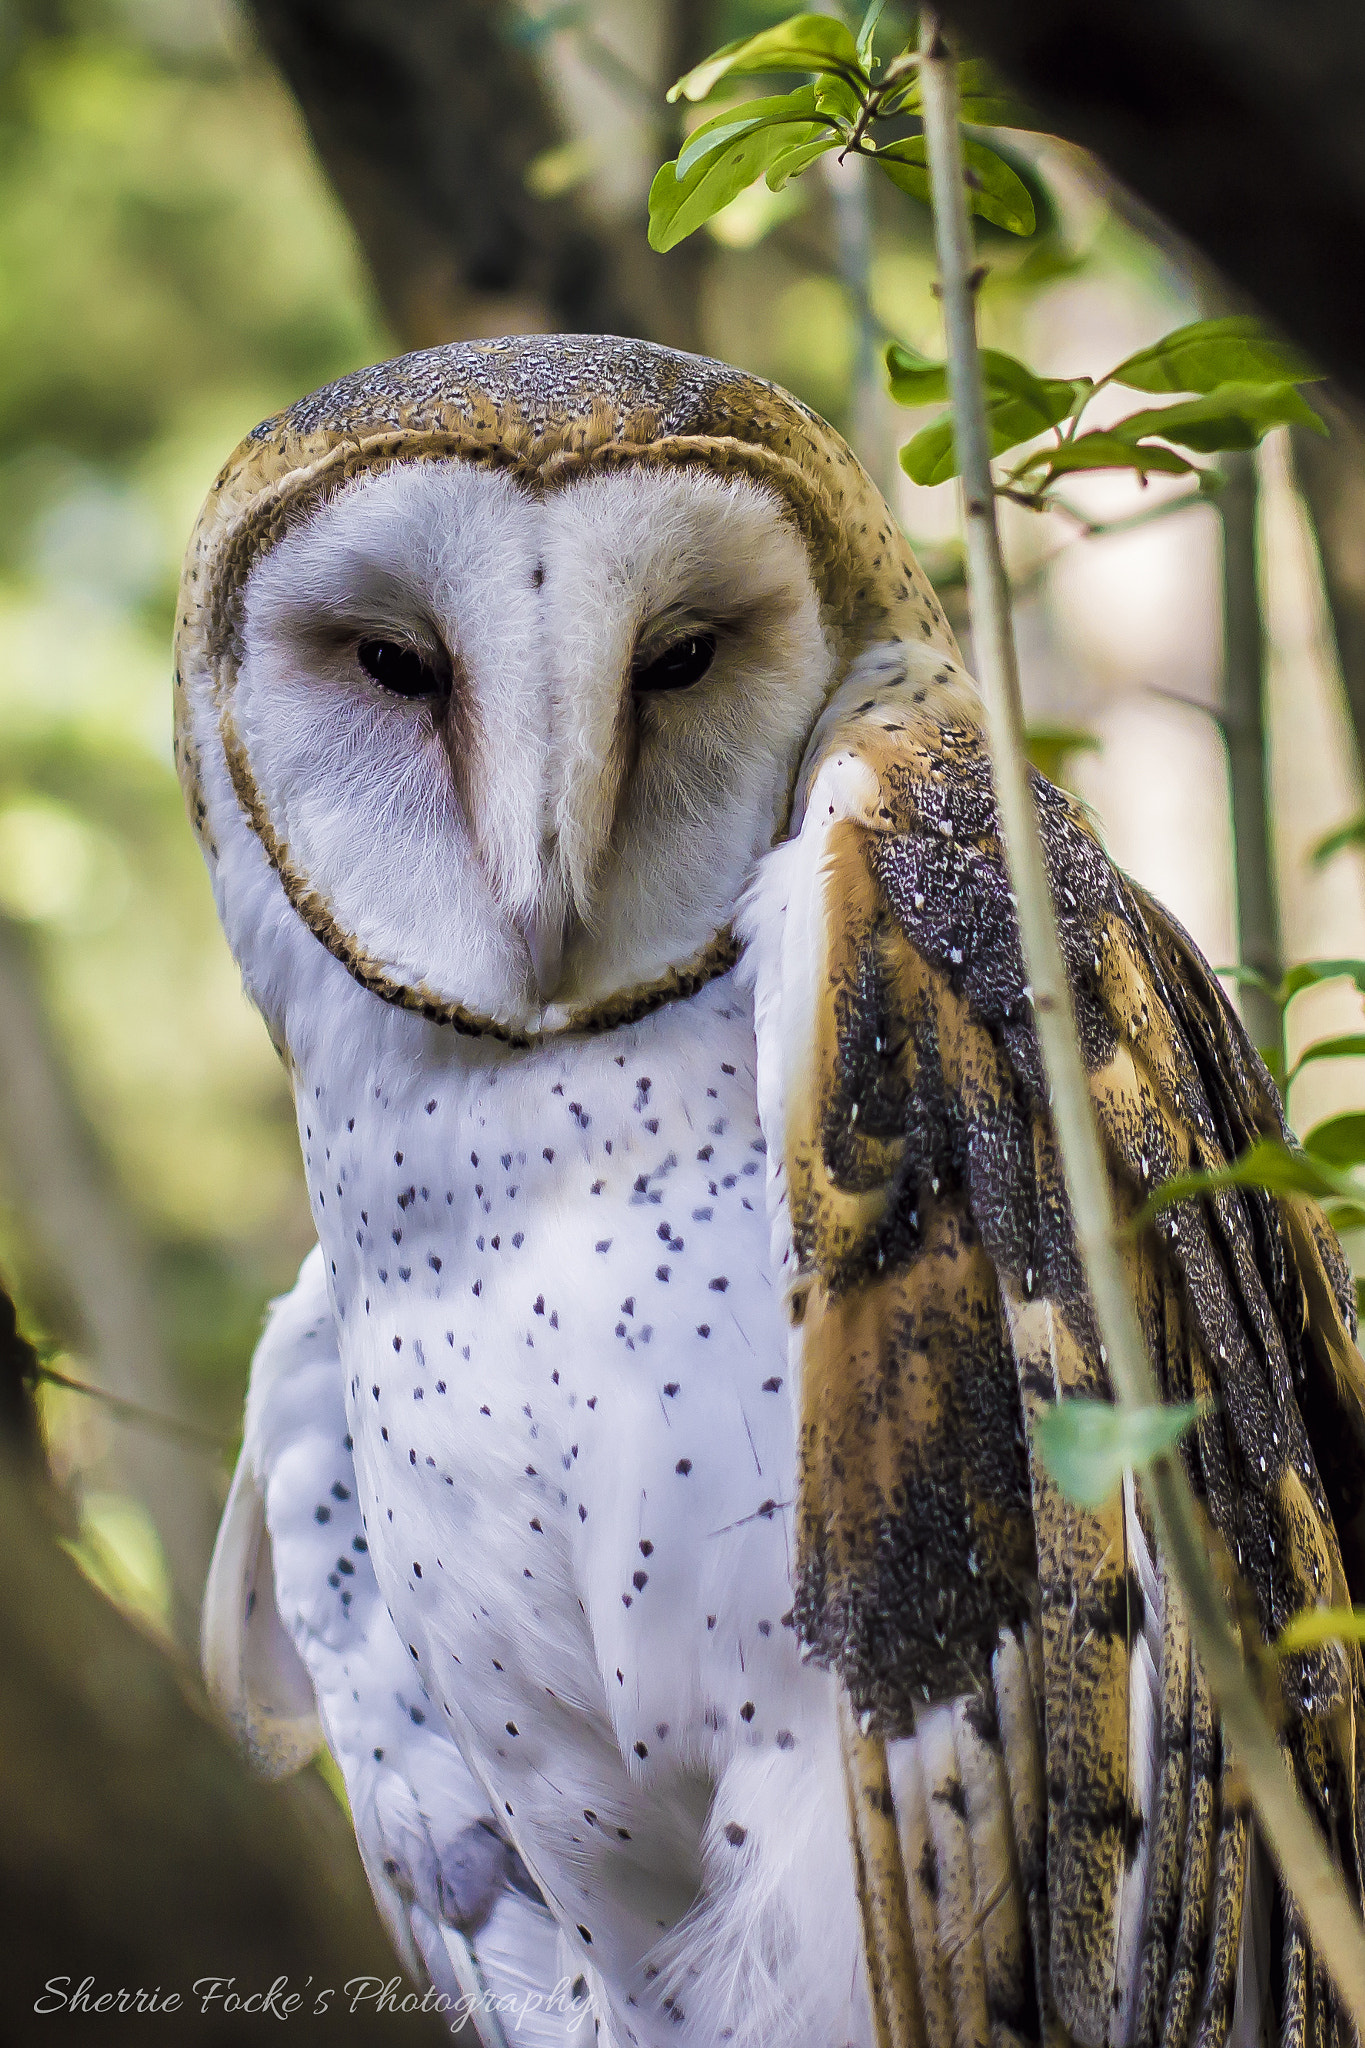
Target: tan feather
920, 1860
1168, 1827
959, 1934
998, 1900
940, 1310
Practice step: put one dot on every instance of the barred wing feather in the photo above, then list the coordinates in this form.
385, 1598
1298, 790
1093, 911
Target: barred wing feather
1077, 1850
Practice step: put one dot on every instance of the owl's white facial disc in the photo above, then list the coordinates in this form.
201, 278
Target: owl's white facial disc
516, 756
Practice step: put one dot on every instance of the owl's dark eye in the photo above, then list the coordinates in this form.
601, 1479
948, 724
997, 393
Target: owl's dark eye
685, 662
404, 671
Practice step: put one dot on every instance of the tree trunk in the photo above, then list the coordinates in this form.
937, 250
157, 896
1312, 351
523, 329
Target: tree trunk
135, 1847
425, 115
1331, 475
1240, 124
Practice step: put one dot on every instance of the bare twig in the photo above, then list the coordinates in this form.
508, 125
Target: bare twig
134, 1412
1328, 1912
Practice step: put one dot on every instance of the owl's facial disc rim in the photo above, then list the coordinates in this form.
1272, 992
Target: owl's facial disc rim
717, 957
711, 960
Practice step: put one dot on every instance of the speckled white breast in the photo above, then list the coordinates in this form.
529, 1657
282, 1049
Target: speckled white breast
566, 1367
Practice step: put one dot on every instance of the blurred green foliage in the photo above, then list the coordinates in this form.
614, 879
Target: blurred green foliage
172, 268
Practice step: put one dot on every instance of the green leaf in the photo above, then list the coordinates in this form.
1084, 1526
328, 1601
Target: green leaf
1349, 1048
1087, 1446
1308, 973
1339, 1140
915, 379
1230, 416
867, 31
744, 120
804, 42
1319, 1625
1104, 451
1249, 977
678, 206
1050, 748
1346, 1216
981, 100
836, 97
1018, 406
1212, 352
907, 166
929, 456
1350, 834
994, 189
1266, 1164
793, 161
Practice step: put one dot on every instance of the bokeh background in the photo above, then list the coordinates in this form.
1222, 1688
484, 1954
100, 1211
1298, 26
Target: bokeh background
186, 246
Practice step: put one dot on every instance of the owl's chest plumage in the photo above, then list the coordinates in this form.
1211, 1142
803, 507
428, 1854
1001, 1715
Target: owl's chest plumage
567, 1382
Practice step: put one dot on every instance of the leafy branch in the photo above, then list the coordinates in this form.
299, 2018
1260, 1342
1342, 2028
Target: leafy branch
1241, 385
1279, 995
782, 134
1241, 382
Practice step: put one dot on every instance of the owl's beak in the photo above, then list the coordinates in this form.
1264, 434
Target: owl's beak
543, 933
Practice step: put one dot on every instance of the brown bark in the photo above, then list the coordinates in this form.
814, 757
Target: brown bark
1331, 475
425, 114
135, 1848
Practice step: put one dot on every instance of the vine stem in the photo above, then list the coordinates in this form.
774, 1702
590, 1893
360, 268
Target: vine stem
1300, 1852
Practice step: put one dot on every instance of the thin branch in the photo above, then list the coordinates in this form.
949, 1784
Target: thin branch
1213, 712
1331, 1918
133, 1411
1091, 529
896, 75
1244, 731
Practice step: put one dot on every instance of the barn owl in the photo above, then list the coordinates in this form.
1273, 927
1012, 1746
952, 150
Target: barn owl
640, 1493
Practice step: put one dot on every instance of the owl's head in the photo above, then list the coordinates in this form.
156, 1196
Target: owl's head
504, 657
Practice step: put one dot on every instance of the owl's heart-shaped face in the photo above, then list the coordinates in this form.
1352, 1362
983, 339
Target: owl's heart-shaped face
517, 754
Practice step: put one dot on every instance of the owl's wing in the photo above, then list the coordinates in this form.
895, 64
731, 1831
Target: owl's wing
299, 1648
1077, 1852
